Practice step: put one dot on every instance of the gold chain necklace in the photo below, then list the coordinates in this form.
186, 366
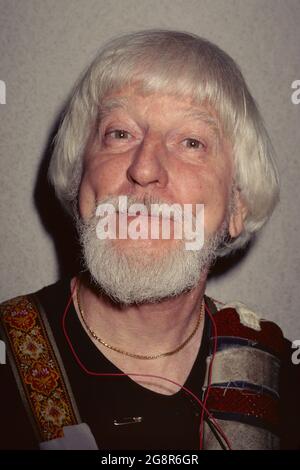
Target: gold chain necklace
138, 356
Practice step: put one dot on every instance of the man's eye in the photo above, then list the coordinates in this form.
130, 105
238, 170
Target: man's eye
118, 134
193, 143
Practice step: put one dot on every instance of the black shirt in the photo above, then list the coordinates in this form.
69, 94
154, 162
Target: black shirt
168, 421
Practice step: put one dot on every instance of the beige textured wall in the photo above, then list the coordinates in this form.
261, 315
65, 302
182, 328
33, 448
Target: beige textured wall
44, 45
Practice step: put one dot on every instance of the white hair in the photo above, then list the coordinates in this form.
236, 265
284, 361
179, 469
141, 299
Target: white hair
183, 65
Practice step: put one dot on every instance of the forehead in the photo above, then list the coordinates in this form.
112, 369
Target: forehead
133, 98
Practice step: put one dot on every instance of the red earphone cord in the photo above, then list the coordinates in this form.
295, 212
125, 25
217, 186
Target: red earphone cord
202, 404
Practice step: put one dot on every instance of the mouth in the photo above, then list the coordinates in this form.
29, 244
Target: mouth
145, 216
154, 216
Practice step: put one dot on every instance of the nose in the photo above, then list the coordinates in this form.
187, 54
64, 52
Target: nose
148, 164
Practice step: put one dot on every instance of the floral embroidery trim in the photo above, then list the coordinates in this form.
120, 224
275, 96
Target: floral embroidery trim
38, 368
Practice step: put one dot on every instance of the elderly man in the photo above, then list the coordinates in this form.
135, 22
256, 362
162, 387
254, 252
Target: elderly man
130, 353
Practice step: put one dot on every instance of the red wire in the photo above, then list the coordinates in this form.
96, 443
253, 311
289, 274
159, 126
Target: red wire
202, 405
215, 336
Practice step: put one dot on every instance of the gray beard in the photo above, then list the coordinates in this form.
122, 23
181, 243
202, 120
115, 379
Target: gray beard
134, 277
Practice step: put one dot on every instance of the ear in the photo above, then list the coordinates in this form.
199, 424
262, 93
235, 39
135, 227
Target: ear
238, 215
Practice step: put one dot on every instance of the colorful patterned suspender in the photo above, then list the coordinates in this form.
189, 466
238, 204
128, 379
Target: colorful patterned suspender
37, 367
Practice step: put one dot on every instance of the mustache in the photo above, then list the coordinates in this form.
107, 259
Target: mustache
151, 205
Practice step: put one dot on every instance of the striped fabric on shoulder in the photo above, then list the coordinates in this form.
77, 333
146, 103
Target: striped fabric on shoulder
244, 391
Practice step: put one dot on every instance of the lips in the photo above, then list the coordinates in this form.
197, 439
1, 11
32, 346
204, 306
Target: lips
148, 216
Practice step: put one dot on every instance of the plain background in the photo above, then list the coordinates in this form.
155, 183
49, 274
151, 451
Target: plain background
44, 46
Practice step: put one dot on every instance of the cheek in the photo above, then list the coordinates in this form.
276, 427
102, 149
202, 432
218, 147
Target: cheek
219, 191
86, 199
204, 186
99, 180
211, 189
216, 204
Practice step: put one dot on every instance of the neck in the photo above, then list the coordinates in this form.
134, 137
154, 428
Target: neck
146, 328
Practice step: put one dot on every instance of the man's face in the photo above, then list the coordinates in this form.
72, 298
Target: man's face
161, 146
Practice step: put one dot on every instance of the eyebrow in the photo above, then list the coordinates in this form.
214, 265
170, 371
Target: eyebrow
206, 117
110, 105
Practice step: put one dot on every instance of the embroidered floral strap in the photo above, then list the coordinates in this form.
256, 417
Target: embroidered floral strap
40, 377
